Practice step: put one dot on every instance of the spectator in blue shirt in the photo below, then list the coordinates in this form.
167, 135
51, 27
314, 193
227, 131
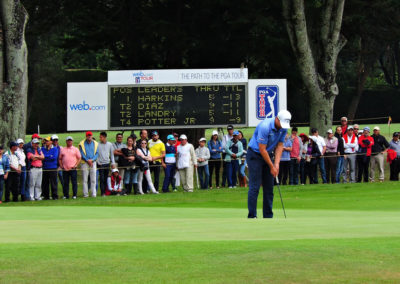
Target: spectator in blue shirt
215, 147
265, 146
284, 165
89, 153
50, 166
4, 169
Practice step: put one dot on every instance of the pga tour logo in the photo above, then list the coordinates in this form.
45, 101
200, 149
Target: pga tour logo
85, 107
266, 101
143, 77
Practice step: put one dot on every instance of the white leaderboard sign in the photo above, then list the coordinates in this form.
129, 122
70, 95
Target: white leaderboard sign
88, 103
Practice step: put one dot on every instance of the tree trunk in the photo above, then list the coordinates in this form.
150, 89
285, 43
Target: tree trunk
14, 70
317, 64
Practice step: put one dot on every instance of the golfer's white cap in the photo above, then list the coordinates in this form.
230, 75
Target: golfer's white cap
215, 132
114, 170
284, 117
183, 137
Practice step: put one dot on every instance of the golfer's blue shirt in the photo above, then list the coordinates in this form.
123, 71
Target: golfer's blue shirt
267, 134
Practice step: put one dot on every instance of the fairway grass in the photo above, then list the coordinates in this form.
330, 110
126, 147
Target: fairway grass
333, 234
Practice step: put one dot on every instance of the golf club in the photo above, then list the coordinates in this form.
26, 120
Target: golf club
280, 194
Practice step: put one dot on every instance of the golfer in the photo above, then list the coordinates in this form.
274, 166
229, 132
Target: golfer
266, 142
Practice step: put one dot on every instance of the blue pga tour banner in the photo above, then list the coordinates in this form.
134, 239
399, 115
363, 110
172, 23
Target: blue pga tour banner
267, 101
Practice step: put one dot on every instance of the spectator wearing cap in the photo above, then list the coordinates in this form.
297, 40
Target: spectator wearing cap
233, 151
242, 162
225, 139
157, 152
104, 161
303, 155
215, 147
394, 145
128, 162
89, 153
54, 139
203, 155
267, 141
4, 169
26, 147
12, 182
117, 146
365, 142
295, 157
169, 164
35, 158
350, 145
50, 166
69, 160
340, 149
143, 137
114, 184
185, 161
320, 141
331, 156
23, 190
285, 160
377, 158
343, 124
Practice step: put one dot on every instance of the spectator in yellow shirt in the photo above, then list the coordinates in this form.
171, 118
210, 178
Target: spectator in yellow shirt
157, 152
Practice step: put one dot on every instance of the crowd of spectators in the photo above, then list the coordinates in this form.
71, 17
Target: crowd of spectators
347, 155
33, 172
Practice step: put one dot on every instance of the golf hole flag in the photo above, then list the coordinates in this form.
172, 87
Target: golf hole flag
266, 98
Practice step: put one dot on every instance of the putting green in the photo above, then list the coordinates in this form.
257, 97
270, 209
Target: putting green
333, 234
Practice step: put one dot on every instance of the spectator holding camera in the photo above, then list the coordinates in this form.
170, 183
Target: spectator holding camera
365, 142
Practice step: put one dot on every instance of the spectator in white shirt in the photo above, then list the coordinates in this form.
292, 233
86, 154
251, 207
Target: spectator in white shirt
322, 148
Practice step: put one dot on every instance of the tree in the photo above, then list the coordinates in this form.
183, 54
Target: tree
13, 70
316, 49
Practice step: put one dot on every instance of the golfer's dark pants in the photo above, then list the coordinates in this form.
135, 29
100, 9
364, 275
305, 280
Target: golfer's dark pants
283, 172
155, 167
294, 171
12, 186
67, 175
103, 176
214, 164
330, 166
49, 179
394, 169
363, 167
169, 176
259, 174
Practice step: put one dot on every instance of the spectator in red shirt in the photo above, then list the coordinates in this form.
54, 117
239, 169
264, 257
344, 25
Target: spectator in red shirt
343, 122
365, 142
295, 158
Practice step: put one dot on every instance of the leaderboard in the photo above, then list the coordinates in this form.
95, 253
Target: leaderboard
177, 106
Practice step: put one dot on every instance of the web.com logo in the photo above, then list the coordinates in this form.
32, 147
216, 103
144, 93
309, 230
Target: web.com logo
85, 107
